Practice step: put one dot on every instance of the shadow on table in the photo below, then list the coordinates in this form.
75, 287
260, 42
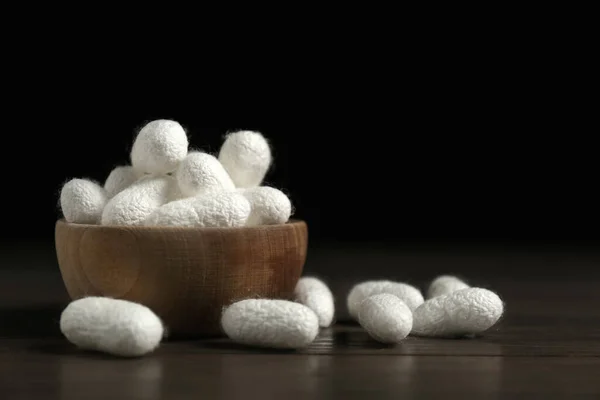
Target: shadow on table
225, 345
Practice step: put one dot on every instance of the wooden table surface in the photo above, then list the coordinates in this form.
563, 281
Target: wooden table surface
547, 345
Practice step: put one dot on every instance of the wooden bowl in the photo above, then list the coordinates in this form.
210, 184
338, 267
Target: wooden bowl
185, 275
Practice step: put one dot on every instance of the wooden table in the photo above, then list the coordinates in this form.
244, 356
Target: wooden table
547, 346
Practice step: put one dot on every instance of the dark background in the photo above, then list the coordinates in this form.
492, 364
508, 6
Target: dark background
487, 188
460, 174
458, 147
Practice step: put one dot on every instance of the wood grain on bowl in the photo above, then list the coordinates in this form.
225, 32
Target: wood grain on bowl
185, 275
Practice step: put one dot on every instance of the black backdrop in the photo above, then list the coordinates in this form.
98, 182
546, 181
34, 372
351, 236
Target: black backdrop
473, 147
445, 135
439, 174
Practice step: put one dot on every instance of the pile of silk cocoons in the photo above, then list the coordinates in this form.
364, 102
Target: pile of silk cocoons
390, 311
167, 184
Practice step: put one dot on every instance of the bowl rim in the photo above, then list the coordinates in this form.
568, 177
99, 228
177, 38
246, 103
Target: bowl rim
291, 223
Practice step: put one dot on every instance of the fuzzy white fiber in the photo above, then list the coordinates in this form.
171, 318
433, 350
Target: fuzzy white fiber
133, 205
113, 326
82, 201
269, 206
445, 284
246, 156
159, 147
119, 179
314, 293
220, 209
407, 293
385, 317
201, 173
464, 312
278, 324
